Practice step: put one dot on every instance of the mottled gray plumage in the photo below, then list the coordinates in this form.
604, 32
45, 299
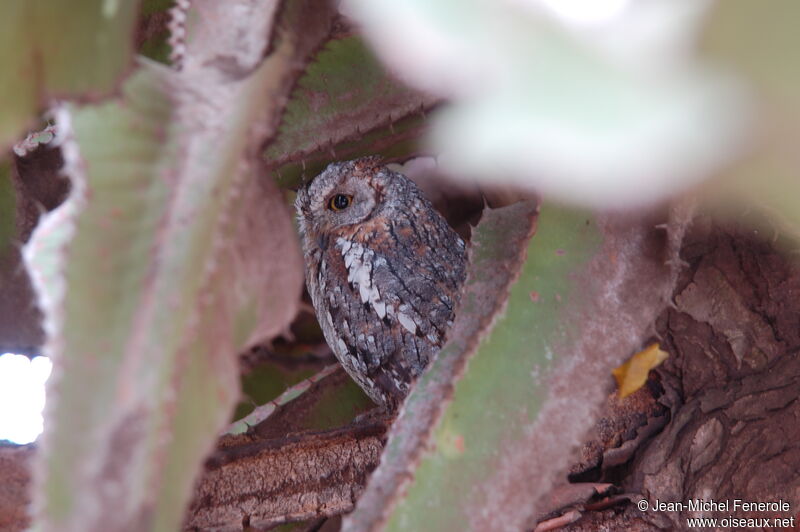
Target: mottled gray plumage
384, 273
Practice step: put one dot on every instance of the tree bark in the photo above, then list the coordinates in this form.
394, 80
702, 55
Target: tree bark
727, 397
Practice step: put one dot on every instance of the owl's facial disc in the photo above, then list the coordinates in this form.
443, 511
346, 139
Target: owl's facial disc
349, 202
336, 199
345, 194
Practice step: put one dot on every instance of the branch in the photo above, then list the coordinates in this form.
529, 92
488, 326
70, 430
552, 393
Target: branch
247, 481
309, 475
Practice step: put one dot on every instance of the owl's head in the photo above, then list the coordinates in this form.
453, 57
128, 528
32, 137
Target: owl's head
345, 194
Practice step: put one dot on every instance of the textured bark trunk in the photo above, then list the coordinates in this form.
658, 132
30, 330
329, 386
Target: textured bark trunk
726, 400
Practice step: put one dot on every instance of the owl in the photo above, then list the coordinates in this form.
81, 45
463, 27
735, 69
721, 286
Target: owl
384, 271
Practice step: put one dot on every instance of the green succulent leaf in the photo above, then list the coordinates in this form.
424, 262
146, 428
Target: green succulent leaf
169, 257
396, 142
529, 356
44, 48
345, 105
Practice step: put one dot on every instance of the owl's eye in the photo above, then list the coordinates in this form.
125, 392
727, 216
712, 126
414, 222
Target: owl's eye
340, 202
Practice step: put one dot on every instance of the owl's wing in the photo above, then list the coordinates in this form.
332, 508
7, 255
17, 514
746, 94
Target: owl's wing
390, 316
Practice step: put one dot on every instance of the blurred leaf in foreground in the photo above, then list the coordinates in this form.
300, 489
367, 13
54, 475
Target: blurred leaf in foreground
44, 48
169, 257
517, 386
610, 118
758, 44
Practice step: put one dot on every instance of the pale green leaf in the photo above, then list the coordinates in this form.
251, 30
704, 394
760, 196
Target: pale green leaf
169, 257
514, 390
57, 48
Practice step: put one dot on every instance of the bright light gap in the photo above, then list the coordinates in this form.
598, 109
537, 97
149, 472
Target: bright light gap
22, 396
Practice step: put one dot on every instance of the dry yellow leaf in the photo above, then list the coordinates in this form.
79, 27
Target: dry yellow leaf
633, 374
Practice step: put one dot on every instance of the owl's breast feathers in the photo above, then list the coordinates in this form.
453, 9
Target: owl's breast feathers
390, 289
385, 279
